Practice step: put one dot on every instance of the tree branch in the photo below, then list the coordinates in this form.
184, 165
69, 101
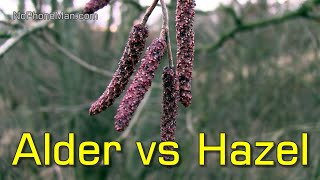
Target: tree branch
229, 10
11, 24
300, 12
7, 16
148, 12
165, 31
21, 34
78, 60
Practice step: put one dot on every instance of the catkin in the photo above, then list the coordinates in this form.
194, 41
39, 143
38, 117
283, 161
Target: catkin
185, 13
126, 66
169, 107
94, 5
140, 84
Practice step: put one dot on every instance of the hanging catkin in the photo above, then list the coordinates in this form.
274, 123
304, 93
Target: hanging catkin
185, 47
128, 61
94, 5
169, 107
140, 84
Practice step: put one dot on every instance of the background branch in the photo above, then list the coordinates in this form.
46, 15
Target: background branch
78, 60
229, 10
20, 35
248, 26
7, 16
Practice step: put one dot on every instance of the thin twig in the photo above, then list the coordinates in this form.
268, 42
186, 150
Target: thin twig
4, 14
86, 65
11, 24
63, 109
7, 45
229, 10
78, 60
249, 26
165, 31
148, 12
20, 35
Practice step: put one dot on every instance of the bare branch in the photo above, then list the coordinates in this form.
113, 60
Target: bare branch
165, 31
12, 24
248, 26
237, 20
4, 14
149, 11
5, 47
20, 35
79, 61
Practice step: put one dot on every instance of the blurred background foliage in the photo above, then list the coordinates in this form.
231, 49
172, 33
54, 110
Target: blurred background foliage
260, 83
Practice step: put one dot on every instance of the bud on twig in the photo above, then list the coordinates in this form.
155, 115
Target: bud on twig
169, 107
185, 44
128, 61
94, 5
140, 84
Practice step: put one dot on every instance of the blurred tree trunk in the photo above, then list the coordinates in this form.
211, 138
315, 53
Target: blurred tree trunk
54, 5
22, 6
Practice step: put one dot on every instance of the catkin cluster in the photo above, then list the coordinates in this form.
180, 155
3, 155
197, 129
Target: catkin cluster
126, 66
185, 13
176, 82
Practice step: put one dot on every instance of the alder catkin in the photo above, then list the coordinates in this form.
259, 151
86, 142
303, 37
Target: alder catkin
140, 84
185, 13
94, 5
126, 66
169, 108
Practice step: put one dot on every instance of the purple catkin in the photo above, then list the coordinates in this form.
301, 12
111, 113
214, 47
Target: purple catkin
140, 84
185, 13
169, 107
126, 66
94, 5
